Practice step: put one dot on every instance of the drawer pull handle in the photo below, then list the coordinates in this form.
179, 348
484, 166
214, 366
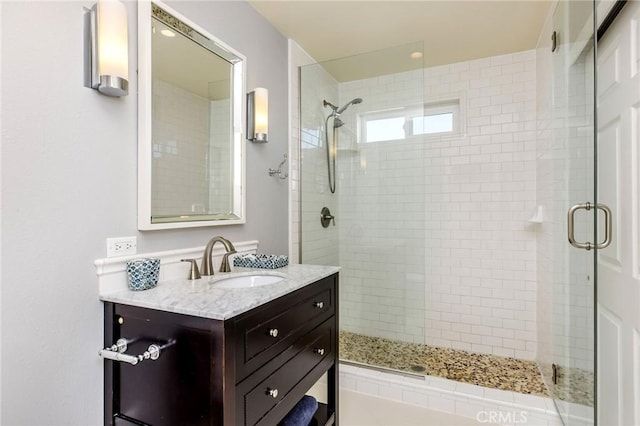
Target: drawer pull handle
319, 351
273, 393
273, 333
318, 305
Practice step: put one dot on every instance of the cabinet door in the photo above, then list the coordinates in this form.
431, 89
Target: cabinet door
175, 388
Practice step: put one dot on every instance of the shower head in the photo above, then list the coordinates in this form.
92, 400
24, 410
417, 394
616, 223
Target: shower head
353, 101
337, 122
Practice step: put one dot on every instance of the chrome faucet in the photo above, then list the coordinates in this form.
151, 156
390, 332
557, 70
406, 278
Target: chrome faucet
207, 262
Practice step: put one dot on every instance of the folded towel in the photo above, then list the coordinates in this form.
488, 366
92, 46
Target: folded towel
265, 261
302, 413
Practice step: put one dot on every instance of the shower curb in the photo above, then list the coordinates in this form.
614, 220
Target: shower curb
485, 405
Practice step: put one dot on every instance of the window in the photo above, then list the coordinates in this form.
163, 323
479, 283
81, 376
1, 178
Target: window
385, 129
436, 119
436, 123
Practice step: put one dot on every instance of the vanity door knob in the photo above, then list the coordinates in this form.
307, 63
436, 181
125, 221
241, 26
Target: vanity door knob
273, 393
318, 305
319, 351
273, 333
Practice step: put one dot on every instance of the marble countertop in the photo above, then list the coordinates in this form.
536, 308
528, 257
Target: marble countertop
202, 298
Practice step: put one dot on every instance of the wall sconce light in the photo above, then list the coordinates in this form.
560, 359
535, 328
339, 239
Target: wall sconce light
106, 48
258, 115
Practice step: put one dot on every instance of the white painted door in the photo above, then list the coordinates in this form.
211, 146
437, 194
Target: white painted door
618, 308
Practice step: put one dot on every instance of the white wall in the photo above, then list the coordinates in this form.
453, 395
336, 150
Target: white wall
68, 182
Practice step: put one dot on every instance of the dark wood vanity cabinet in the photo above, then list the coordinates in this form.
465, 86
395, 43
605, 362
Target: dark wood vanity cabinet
249, 370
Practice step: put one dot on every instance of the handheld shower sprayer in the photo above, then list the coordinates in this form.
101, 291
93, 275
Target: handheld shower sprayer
338, 111
332, 149
348, 104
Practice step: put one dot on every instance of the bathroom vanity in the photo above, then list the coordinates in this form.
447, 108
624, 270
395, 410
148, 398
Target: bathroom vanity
242, 356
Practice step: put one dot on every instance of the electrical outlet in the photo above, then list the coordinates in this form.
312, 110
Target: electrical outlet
121, 246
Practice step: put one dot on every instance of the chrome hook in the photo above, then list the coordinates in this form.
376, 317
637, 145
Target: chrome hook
278, 171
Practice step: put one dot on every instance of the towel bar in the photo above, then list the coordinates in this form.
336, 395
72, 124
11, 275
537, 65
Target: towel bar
116, 352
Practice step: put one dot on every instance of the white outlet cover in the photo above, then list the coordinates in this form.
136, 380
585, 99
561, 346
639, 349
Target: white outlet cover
121, 246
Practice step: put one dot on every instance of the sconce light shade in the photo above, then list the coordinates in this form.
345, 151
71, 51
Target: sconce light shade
106, 48
258, 115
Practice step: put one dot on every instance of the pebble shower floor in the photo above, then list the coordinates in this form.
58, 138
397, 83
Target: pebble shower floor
490, 371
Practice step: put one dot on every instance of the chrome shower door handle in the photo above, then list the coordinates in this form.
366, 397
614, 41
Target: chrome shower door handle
571, 227
608, 226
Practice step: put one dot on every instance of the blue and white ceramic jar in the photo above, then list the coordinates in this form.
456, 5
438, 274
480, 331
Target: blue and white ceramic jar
143, 273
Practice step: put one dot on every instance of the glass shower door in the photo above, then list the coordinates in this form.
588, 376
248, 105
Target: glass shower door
571, 175
362, 160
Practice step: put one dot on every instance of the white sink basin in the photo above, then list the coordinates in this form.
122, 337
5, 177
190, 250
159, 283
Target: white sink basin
246, 281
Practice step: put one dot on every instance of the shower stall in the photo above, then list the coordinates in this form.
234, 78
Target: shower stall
442, 192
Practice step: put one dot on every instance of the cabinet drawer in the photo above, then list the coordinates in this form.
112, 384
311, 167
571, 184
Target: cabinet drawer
259, 399
270, 330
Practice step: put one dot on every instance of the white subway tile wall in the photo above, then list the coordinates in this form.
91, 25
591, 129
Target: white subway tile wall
382, 224
191, 152
220, 157
320, 245
179, 144
435, 241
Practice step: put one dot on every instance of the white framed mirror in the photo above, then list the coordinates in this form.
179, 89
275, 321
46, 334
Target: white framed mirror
191, 149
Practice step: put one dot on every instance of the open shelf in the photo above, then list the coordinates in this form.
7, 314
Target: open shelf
323, 416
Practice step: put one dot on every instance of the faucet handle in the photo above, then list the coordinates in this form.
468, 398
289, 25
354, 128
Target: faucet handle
225, 266
194, 273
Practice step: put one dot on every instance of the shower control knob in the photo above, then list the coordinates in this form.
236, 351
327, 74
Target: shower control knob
326, 217
273, 333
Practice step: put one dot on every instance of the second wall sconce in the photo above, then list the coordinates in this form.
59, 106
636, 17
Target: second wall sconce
258, 115
107, 48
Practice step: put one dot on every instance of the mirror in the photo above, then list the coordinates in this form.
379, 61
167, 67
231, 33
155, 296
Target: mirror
190, 144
